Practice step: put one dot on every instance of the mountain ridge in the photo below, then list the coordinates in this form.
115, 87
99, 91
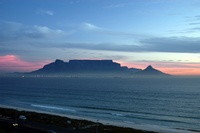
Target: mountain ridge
92, 66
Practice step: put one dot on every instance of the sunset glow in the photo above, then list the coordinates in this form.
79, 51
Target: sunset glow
135, 33
12, 63
170, 68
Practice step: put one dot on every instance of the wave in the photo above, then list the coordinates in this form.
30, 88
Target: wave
158, 128
53, 107
142, 115
117, 114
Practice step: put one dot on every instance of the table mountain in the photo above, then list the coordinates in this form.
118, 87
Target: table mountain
93, 66
60, 66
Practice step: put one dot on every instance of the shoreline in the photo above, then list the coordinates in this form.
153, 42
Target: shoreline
62, 122
87, 124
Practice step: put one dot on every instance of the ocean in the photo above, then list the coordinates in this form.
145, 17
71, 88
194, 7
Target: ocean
156, 104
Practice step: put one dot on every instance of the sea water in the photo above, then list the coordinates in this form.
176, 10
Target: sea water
157, 104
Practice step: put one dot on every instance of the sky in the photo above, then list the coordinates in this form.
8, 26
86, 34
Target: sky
134, 33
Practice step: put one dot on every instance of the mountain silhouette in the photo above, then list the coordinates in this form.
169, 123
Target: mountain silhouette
60, 66
149, 70
93, 66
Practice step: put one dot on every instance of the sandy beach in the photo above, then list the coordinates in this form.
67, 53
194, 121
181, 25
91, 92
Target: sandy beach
37, 122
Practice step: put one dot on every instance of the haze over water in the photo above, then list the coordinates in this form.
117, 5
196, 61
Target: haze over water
159, 104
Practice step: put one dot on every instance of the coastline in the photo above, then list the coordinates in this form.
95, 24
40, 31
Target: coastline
59, 123
75, 124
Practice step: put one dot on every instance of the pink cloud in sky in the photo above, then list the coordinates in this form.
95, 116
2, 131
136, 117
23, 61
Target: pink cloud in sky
13, 63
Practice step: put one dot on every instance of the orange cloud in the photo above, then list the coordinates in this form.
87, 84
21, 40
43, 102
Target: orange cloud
12, 63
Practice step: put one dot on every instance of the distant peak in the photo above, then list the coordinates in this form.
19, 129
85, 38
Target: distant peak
149, 70
149, 67
59, 61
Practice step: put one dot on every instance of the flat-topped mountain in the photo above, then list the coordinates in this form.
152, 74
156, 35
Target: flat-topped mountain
60, 66
88, 66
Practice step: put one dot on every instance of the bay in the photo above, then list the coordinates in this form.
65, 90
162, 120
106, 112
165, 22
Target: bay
159, 104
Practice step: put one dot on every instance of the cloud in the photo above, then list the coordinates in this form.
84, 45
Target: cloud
34, 37
13, 30
19, 39
45, 12
197, 17
172, 44
195, 29
74, 1
156, 44
119, 5
100, 46
13, 63
9, 30
45, 31
90, 27
194, 23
